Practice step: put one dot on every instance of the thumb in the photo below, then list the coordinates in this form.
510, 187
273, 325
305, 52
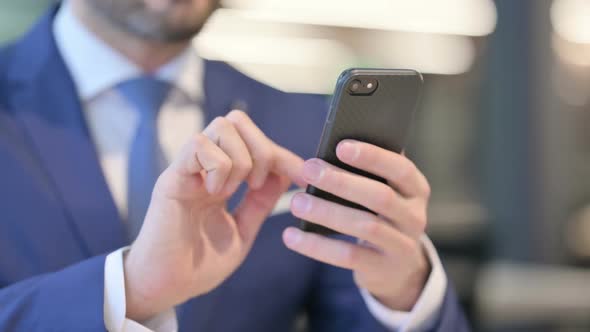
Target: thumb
257, 204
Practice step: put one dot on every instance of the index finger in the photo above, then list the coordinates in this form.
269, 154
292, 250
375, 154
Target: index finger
266, 155
398, 170
289, 164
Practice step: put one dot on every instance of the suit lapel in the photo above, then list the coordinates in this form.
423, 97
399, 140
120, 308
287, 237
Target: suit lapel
220, 94
47, 105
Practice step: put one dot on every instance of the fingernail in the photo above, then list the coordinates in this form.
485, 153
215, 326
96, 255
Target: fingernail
348, 150
292, 236
301, 203
313, 171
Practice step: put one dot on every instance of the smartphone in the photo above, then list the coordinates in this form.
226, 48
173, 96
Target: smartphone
370, 105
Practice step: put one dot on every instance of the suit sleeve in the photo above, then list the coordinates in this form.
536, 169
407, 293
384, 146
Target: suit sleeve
452, 318
335, 304
67, 300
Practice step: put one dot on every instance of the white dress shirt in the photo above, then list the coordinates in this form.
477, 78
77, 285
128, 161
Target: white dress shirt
96, 69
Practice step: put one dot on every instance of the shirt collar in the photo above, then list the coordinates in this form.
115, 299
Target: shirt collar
96, 67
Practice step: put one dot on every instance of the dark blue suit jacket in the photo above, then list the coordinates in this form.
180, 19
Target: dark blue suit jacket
58, 220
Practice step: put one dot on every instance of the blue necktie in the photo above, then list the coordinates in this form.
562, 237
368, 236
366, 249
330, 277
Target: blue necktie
146, 159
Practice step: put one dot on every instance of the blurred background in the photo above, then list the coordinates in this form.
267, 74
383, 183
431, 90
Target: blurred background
503, 132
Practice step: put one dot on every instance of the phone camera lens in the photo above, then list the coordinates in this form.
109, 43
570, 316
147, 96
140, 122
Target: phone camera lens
355, 85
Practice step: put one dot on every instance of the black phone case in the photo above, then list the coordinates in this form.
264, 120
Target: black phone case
382, 118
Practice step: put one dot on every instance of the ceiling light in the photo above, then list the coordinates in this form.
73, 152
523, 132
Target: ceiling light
461, 17
571, 20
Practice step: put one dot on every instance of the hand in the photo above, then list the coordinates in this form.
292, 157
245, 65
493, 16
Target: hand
189, 242
388, 260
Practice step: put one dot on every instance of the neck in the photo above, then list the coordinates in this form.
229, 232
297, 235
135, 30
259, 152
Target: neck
149, 55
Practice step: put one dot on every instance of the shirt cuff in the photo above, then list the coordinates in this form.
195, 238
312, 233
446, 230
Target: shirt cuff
426, 311
114, 302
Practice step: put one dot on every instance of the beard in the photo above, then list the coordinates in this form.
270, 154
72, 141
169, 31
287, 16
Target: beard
172, 21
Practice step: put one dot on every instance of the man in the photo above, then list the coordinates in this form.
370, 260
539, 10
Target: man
96, 98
